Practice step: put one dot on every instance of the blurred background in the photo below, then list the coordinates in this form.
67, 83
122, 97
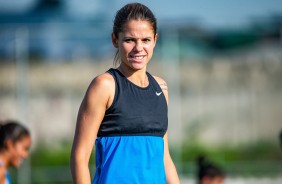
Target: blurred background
222, 61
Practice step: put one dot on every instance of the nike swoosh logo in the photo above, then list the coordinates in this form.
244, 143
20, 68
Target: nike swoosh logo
158, 94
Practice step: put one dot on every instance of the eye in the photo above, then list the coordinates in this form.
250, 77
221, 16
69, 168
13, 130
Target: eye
26, 149
146, 40
128, 40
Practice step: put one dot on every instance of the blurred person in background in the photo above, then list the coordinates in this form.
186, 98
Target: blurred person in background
125, 111
208, 173
15, 142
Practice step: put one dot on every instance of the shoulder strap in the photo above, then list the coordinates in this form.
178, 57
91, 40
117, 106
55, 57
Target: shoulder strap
113, 72
155, 84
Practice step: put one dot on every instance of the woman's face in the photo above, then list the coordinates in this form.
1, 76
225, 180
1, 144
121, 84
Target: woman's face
19, 151
135, 43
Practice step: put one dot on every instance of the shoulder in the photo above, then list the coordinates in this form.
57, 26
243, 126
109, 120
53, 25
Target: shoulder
102, 82
100, 90
158, 79
163, 86
161, 82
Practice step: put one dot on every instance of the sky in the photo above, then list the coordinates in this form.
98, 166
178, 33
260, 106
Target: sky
210, 12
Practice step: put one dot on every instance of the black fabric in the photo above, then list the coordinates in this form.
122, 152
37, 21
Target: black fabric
135, 110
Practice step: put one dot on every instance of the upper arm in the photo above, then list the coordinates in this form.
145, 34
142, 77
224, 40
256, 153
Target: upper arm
163, 86
166, 147
2, 175
97, 99
171, 173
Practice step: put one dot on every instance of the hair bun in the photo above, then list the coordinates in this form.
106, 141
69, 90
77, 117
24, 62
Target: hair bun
201, 160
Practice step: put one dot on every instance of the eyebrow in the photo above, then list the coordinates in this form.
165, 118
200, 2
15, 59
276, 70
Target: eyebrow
127, 37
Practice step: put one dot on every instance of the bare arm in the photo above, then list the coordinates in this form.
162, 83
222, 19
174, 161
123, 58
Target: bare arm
170, 170
97, 99
2, 175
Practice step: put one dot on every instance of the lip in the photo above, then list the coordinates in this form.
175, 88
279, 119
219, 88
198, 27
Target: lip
137, 58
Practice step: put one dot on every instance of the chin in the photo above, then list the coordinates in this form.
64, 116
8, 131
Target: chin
16, 164
137, 66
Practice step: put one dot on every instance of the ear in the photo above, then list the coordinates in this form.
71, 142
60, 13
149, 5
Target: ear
9, 144
114, 40
156, 38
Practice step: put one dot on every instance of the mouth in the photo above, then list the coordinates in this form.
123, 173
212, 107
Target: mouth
137, 57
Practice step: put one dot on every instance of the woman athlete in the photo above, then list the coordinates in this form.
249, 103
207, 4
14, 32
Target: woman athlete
125, 112
15, 142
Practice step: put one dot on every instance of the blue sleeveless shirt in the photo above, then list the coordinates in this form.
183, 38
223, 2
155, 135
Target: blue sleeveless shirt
129, 145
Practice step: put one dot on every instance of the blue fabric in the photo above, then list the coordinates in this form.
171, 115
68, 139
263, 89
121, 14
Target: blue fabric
129, 160
8, 178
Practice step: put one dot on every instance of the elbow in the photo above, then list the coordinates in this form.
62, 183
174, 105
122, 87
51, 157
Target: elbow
78, 158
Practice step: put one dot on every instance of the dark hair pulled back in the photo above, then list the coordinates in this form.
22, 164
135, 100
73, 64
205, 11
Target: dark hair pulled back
207, 169
11, 130
132, 11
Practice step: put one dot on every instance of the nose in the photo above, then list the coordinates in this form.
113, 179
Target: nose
138, 46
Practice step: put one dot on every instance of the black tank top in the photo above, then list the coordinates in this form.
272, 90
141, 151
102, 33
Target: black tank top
135, 110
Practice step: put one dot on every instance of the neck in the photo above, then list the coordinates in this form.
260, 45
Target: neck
4, 157
138, 77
